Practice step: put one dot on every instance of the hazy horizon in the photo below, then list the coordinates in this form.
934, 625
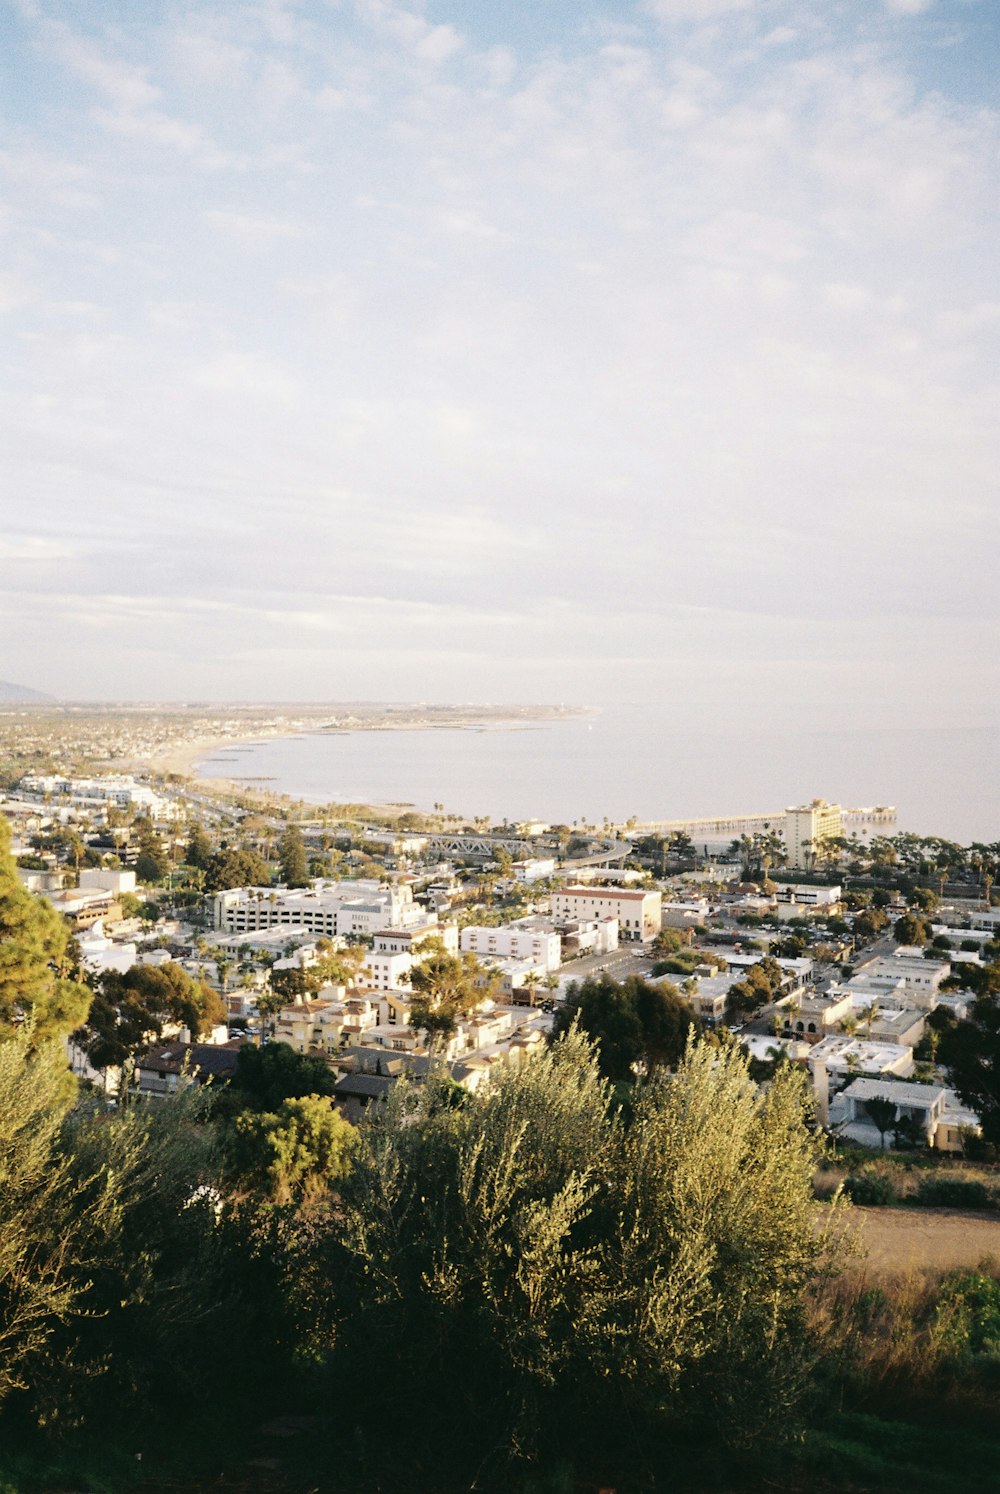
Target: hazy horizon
535, 354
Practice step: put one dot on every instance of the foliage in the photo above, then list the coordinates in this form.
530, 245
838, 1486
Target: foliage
882, 1112
971, 1049
131, 1009
937, 1192
292, 861
633, 1023
668, 940
34, 959
37, 1223
759, 986
267, 1077
445, 987
297, 1152
152, 863
531, 1263
234, 866
968, 1313
871, 1186
911, 929
199, 848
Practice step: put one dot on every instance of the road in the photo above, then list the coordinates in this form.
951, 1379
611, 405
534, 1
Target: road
618, 964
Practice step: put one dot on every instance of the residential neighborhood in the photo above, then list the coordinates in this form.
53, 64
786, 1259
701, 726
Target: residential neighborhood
782, 938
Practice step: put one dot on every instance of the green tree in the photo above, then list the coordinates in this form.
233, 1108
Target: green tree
971, 1052
152, 863
39, 1223
911, 929
883, 1113
233, 866
536, 1264
445, 988
199, 847
292, 861
632, 1023
266, 1077
35, 962
298, 1152
130, 1010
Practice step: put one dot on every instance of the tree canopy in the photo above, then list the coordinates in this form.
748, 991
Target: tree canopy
130, 1009
446, 987
292, 863
632, 1023
527, 1255
35, 963
235, 866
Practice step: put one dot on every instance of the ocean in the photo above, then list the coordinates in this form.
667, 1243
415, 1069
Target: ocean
630, 760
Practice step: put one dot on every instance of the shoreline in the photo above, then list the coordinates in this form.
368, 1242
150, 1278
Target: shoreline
181, 759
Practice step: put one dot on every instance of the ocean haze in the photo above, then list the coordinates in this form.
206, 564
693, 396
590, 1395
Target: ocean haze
636, 760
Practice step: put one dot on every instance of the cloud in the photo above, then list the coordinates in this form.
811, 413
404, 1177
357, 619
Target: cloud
430, 43
593, 355
697, 10
908, 7
256, 230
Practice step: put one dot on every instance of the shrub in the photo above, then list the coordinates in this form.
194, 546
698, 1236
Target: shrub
953, 1193
870, 1187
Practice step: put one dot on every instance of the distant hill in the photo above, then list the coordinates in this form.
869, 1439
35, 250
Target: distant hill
21, 695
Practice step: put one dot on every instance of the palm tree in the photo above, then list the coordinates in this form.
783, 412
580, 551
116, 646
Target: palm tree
867, 1015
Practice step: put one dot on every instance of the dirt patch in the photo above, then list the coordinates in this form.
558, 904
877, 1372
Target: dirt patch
907, 1239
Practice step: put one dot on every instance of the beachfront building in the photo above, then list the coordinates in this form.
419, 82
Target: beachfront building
509, 941
808, 828
639, 913
123, 793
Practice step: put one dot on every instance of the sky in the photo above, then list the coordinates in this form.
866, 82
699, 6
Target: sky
513, 350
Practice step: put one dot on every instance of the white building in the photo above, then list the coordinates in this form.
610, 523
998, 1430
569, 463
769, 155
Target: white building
124, 793
411, 940
639, 913
385, 971
98, 953
328, 908
845, 1056
911, 979
508, 941
798, 902
936, 1113
108, 880
808, 827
